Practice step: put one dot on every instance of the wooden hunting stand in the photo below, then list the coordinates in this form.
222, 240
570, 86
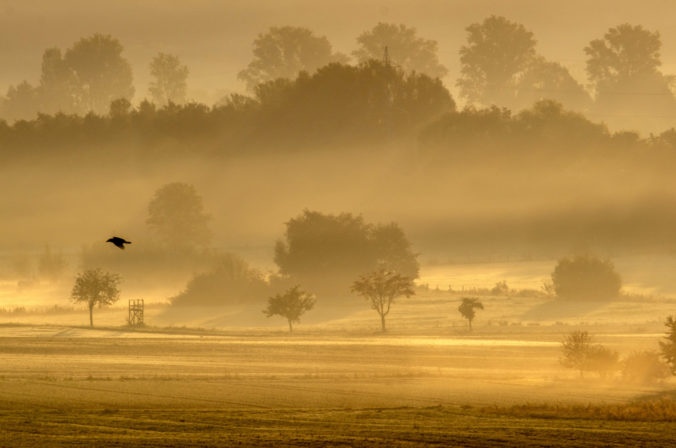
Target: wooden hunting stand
135, 318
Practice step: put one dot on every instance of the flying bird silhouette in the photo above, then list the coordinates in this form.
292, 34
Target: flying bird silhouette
119, 242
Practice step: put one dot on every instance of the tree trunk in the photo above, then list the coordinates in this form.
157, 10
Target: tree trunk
91, 316
290, 327
469, 321
382, 322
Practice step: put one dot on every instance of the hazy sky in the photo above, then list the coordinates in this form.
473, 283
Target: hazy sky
214, 37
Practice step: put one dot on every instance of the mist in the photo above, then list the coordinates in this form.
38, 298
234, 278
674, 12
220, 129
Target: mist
362, 223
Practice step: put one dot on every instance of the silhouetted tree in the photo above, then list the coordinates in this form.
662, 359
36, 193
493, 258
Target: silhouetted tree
467, 308
95, 287
668, 346
380, 288
290, 305
586, 277
623, 68
404, 48
328, 251
497, 52
543, 79
101, 74
176, 214
169, 82
282, 52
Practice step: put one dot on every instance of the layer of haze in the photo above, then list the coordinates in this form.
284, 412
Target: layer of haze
484, 209
214, 37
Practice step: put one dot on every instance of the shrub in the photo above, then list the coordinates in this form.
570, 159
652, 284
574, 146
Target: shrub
644, 367
586, 277
231, 282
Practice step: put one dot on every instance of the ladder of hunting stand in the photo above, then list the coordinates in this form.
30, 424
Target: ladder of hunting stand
135, 318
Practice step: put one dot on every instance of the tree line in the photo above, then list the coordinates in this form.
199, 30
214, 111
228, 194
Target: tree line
302, 93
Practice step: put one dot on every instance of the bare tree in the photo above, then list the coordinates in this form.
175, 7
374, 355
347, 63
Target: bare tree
291, 305
96, 287
467, 308
380, 288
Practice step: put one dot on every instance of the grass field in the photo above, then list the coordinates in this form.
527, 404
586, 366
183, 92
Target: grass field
502, 386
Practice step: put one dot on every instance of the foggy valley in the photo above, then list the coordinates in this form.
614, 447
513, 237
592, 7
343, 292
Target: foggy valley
318, 224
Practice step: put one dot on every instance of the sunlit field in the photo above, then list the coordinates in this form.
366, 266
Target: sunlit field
427, 381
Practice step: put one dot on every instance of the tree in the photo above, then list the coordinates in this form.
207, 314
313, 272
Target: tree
282, 52
340, 104
668, 346
169, 79
176, 214
586, 277
380, 288
231, 281
576, 347
404, 48
497, 52
579, 353
51, 265
543, 79
623, 68
21, 102
291, 305
467, 308
100, 73
96, 287
328, 251
57, 84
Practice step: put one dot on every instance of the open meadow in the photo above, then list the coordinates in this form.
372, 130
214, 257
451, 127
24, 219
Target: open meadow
426, 382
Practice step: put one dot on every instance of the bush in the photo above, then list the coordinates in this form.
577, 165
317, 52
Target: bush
586, 277
644, 367
231, 282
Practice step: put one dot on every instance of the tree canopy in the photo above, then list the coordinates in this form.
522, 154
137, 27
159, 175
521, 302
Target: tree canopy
326, 252
99, 72
586, 277
230, 281
404, 48
176, 214
283, 52
624, 70
546, 80
497, 51
169, 82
